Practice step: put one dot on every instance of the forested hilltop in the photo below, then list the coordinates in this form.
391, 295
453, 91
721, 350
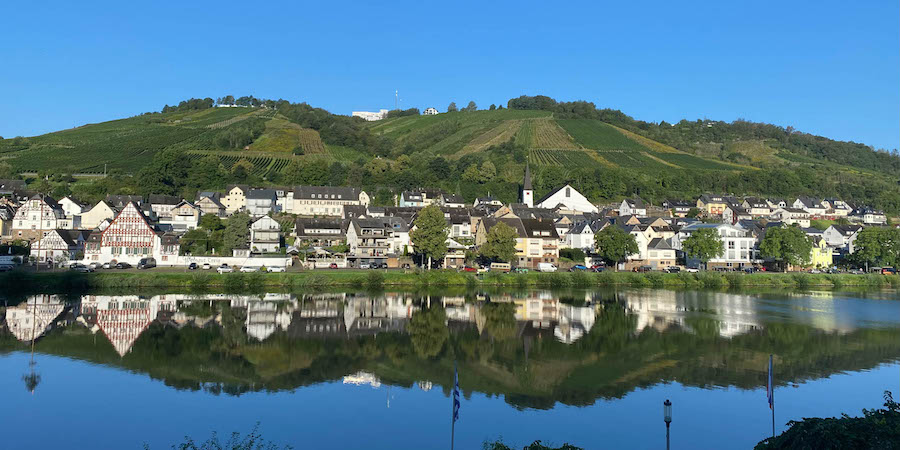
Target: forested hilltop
204, 144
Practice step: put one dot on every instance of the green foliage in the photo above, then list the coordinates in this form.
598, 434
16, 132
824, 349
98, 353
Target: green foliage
429, 237
192, 104
878, 428
614, 244
428, 332
251, 441
500, 243
704, 244
876, 245
787, 245
575, 254
237, 233
536, 445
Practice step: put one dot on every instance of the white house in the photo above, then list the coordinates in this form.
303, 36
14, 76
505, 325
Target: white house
633, 207
182, 217
842, 236
60, 245
265, 235
582, 234
261, 202
70, 207
129, 238
569, 198
792, 216
737, 242
326, 201
36, 217
92, 218
868, 216
430, 112
811, 205
369, 116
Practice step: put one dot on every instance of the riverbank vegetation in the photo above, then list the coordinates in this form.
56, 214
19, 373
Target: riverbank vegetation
52, 282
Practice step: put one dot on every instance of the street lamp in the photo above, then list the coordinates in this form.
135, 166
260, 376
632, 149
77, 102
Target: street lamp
667, 416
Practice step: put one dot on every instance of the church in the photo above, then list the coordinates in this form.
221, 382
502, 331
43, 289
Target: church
565, 197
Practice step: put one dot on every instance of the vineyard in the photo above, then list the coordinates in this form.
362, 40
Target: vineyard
597, 135
233, 120
547, 134
311, 142
263, 166
495, 136
564, 158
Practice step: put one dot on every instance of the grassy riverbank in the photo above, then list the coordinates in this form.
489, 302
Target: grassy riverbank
70, 281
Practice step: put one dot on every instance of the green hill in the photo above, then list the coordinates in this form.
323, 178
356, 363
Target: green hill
604, 153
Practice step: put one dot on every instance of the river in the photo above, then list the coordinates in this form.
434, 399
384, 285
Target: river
374, 369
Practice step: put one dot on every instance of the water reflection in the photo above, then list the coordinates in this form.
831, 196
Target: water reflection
535, 348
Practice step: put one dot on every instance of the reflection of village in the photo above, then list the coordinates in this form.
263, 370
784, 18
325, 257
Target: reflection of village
538, 314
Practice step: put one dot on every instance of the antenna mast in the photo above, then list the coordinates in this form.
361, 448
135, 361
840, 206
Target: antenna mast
397, 99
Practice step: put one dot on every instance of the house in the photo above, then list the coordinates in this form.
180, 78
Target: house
757, 207
633, 207
129, 238
456, 255
811, 205
660, 254
182, 217
452, 201
775, 203
430, 112
369, 116
489, 201
791, 216
582, 234
210, 203
421, 198
821, 256
326, 201
12, 188
92, 218
837, 207
60, 245
868, 216
265, 235
119, 201
235, 197
36, 217
841, 237
738, 245
459, 224
261, 202
320, 232
536, 242
735, 213
712, 204
369, 241
678, 208
70, 207
569, 198
162, 205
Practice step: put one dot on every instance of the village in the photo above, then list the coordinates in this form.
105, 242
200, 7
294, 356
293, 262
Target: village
321, 227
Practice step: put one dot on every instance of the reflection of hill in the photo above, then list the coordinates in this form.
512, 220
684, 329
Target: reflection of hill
530, 348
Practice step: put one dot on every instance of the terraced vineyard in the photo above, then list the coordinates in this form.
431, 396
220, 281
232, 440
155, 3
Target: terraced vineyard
564, 158
264, 166
311, 142
495, 136
547, 134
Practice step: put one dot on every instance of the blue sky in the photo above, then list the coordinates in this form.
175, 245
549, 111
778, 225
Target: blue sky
829, 68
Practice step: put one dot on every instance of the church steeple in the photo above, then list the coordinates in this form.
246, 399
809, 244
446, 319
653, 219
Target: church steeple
527, 196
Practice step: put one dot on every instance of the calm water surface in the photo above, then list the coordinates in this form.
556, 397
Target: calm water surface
373, 369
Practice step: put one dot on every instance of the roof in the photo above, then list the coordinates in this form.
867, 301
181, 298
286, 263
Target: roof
534, 225
635, 202
847, 229
526, 185
159, 199
338, 192
810, 202
261, 194
659, 244
513, 222
680, 203
243, 187
712, 198
302, 224
120, 201
11, 186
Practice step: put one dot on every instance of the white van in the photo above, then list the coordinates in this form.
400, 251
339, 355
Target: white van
546, 267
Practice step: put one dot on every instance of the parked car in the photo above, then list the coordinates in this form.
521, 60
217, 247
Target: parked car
206, 266
521, 270
333, 266
643, 269
500, 267
146, 263
123, 265
577, 268
192, 266
599, 269
276, 269
673, 269
469, 269
108, 265
750, 269
81, 268
692, 270
888, 271
364, 265
546, 267
248, 269
95, 265
224, 268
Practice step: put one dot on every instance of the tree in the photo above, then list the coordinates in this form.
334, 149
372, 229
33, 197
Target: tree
693, 212
471, 107
704, 244
237, 231
211, 222
488, 171
614, 245
452, 107
430, 234
875, 245
787, 246
428, 331
493, 107
500, 243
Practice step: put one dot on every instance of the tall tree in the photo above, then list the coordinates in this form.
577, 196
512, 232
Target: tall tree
877, 245
787, 246
237, 232
614, 245
471, 107
452, 107
500, 243
429, 237
428, 331
704, 244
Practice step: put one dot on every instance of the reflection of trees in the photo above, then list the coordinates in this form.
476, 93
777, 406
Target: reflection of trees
500, 320
428, 331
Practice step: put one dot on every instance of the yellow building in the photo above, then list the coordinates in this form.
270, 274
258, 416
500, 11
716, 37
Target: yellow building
820, 256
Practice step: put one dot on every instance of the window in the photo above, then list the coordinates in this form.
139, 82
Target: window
568, 192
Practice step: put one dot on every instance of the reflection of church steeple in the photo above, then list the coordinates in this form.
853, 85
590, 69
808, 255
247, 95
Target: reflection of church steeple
527, 196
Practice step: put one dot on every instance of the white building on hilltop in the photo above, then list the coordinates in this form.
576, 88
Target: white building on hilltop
430, 112
371, 116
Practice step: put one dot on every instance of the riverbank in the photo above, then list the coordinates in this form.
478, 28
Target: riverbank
71, 281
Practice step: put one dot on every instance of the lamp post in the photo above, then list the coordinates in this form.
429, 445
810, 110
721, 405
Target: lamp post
667, 416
